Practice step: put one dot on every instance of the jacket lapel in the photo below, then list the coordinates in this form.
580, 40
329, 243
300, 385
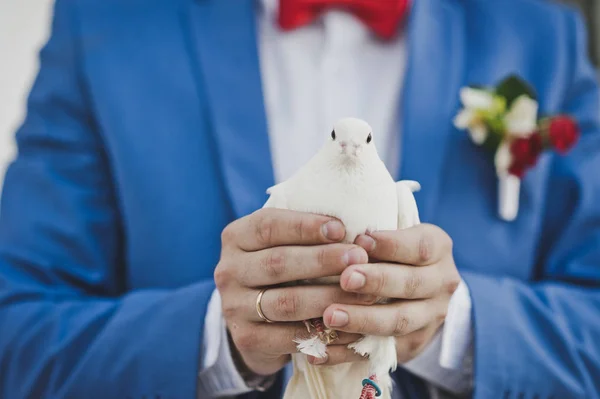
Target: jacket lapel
225, 48
435, 74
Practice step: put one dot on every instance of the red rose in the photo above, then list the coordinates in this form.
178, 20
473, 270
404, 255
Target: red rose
563, 133
517, 169
525, 151
536, 146
519, 149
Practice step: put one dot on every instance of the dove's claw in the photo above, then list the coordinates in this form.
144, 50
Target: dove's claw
307, 325
330, 336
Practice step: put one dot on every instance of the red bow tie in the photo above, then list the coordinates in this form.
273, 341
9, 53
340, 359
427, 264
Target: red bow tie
382, 16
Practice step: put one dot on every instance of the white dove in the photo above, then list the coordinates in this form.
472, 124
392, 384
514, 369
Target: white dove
346, 179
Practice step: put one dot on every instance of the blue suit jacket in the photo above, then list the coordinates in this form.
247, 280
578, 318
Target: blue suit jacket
146, 135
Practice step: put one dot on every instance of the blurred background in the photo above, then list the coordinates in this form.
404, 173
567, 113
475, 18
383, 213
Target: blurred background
24, 27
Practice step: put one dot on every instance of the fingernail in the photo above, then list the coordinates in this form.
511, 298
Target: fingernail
317, 360
339, 318
357, 280
354, 256
334, 230
368, 243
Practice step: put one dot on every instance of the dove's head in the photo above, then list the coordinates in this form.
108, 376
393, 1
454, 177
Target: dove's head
351, 142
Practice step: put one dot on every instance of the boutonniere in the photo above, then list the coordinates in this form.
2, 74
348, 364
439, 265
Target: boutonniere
504, 120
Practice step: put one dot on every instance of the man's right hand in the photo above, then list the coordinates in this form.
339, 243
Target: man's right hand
272, 247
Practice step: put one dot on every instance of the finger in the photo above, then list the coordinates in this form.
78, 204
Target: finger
393, 280
277, 339
270, 340
337, 354
284, 264
264, 364
297, 303
420, 245
274, 227
411, 345
393, 319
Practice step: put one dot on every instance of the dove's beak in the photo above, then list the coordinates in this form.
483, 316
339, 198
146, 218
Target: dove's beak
350, 149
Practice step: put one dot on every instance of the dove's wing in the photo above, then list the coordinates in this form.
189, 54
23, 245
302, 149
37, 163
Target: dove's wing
408, 213
277, 198
412, 185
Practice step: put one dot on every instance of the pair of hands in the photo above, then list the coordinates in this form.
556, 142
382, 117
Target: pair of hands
272, 247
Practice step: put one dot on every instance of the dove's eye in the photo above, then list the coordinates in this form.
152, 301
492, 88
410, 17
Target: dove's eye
369, 138
333, 134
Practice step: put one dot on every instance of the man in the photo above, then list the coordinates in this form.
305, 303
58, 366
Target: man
153, 125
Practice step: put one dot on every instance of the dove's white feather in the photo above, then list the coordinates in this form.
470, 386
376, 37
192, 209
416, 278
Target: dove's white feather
312, 346
346, 179
382, 355
358, 190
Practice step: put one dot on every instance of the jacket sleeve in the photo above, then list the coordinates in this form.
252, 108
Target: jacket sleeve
67, 327
541, 339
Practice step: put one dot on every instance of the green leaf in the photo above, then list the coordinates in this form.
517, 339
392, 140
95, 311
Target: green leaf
493, 140
514, 87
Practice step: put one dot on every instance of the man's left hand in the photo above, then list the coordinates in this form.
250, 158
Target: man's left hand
415, 269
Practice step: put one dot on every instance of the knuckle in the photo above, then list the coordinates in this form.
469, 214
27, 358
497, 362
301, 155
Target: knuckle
364, 324
229, 310
228, 234
452, 284
441, 316
380, 282
264, 229
400, 324
426, 248
412, 284
274, 263
299, 228
287, 306
396, 248
246, 340
222, 275
322, 256
307, 227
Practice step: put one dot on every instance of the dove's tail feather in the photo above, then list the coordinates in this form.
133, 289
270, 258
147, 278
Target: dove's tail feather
346, 380
307, 381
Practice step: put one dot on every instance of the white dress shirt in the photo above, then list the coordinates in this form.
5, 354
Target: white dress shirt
311, 77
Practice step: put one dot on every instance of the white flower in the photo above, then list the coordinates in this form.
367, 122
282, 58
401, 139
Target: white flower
474, 101
478, 133
464, 118
476, 98
521, 119
467, 119
503, 159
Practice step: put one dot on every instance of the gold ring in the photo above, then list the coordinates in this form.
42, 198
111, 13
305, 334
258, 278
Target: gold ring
259, 308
